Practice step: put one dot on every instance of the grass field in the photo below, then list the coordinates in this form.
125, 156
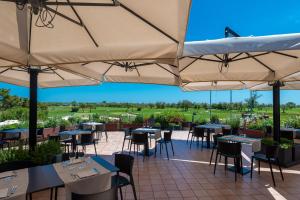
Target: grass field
130, 113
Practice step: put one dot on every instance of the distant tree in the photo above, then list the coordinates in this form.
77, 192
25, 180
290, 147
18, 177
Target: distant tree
290, 105
252, 101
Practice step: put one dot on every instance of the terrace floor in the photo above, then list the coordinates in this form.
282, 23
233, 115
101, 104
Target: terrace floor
187, 175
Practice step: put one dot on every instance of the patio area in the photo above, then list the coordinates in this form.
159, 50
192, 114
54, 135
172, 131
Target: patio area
187, 175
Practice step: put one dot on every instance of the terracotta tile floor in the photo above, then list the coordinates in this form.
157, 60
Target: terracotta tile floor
187, 175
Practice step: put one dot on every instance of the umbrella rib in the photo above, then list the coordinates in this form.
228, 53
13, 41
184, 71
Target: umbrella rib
143, 64
78, 4
250, 56
167, 70
284, 54
147, 22
190, 63
29, 39
11, 61
83, 25
108, 69
64, 16
57, 74
236, 56
218, 57
138, 72
4, 70
207, 59
260, 62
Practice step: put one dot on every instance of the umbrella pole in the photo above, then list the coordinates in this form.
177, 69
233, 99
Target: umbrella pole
210, 105
33, 73
276, 111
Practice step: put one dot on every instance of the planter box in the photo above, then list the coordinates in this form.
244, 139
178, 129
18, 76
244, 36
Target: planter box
134, 126
285, 156
235, 131
296, 152
253, 133
175, 127
112, 127
50, 131
186, 125
15, 165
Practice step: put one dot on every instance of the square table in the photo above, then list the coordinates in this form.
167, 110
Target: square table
210, 128
74, 134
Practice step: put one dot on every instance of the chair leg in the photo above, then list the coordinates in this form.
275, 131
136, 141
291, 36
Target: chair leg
251, 167
51, 193
123, 144
211, 156
55, 193
130, 149
235, 171
278, 163
129, 142
191, 142
121, 193
106, 136
167, 150
95, 148
187, 140
259, 167
144, 155
155, 149
225, 166
133, 189
270, 164
216, 161
172, 148
202, 143
160, 148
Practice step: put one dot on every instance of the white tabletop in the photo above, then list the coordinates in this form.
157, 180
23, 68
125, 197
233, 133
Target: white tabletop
146, 130
75, 132
213, 126
92, 123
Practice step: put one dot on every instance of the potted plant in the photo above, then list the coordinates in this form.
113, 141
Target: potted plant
46, 153
214, 119
234, 125
255, 130
50, 127
285, 155
14, 159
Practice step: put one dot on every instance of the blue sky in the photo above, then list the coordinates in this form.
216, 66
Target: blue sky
208, 19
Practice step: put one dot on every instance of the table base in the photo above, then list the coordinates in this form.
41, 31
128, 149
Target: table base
243, 170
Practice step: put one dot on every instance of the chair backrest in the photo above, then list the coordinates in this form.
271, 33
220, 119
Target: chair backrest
40, 131
168, 135
62, 128
192, 125
87, 138
269, 130
127, 131
215, 137
199, 132
125, 163
288, 134
80, 126
54, 138
139, 138
272, 151
231, 149
226, 131
111, 194
100, 127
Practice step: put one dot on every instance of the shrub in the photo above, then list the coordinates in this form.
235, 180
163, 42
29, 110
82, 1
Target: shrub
293, 122
10, 155
51, 123
214, 119
234, 122
283, 144
257, 126
45, 152
139, 109
139, 119
74, 109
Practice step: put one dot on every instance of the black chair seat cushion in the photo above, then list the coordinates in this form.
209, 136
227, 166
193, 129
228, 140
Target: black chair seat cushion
260, 156
69, 140
122, 181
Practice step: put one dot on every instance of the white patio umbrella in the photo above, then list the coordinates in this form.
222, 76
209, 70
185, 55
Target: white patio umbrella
218, 85
55, 32
130, 72
264, 58
40, 32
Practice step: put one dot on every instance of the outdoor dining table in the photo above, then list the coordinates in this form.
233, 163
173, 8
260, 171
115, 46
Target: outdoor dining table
296, 132
92, 124
211, 128
254, 143
74, 134
84, 173
147, 131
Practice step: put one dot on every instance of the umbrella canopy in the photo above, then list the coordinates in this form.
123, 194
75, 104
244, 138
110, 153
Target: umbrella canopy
130, 72
49, 76
264, 58
291, 82
40, 32
218, 85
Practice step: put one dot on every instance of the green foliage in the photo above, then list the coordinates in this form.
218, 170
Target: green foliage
139, 109
284, 143
162, 120
139, 119
293, 122
74, 109
74, 120
252, 101
256, 126
201, 121
51, 123
64, 123
45, 152
234, 122
214, 119
10, 155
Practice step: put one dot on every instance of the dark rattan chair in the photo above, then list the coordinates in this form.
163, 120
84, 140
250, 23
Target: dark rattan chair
192, 125
165, 140
139, 139
271, 156
127, 136
198, 133
229, 150
111, 194
85, 140
215, 145
125, 164
226, 131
